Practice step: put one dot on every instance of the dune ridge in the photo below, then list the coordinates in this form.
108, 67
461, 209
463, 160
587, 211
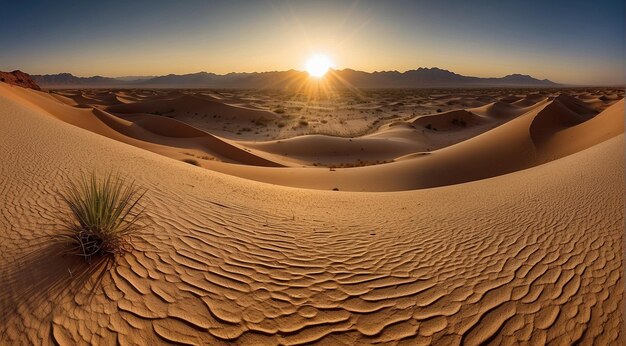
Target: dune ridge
426, 151
507, 148
147, 131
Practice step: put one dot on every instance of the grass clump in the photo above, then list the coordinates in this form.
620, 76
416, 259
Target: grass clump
104, 213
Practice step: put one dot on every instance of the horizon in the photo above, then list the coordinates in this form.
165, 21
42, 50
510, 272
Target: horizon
160, 38
128, 78
288, 70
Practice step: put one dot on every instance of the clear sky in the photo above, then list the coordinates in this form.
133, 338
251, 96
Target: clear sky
578, 42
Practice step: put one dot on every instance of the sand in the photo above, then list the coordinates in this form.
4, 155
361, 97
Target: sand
509, 235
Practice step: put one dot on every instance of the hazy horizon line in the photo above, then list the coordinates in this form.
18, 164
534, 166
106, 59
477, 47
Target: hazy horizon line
287, 70
331, 69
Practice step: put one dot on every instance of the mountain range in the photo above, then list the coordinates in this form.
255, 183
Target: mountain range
419, 78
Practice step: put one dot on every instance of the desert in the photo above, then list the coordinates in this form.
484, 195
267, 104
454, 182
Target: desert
451, 236
312, 173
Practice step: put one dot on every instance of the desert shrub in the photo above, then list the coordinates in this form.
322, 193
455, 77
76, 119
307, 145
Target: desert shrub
104, 214
279, 110
192, 162
303, 123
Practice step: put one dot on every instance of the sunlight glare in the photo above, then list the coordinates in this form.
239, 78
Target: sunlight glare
318, 65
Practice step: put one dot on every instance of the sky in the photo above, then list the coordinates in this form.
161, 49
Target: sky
572, 42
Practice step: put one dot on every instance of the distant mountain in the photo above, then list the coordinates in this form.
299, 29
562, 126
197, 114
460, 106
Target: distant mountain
420, 78
18, 78
62, 80
435, 77
133, 78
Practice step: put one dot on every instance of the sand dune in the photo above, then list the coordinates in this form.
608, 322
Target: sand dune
398, 140
330, 151
530, 257
562, 113
190, 104
505, 149
427, 151
530, 99
448, 121
146, 132
501, 109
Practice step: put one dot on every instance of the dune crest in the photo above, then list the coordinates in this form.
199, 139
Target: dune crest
505, 149
422, 152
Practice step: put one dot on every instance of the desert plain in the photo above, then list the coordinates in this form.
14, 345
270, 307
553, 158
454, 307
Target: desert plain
392, 216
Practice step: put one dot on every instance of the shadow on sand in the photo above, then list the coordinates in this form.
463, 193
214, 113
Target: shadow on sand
35, 283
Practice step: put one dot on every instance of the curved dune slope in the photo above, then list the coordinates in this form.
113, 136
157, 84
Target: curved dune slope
563, 113
434, 150
162, 135
530, 100
508, 148
329, 150
398, 140
448, 121
533, 257
500, 109
191, 104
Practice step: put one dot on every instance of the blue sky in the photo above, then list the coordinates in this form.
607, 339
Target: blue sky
578, 42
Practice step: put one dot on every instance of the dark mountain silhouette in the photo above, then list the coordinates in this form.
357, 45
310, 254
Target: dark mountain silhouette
419, 78
67, 79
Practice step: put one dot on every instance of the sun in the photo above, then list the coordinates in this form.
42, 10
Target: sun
318, 65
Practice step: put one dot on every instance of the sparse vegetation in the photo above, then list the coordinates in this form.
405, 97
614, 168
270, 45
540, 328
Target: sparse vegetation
104, 214
260, 121
164, 112
431, 127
